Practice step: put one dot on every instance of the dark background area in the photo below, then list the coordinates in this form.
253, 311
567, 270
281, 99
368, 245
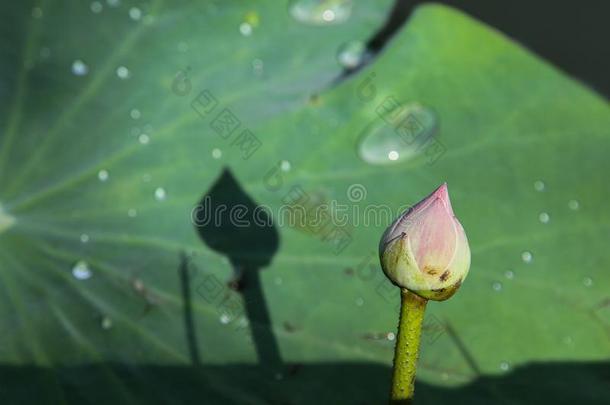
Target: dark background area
571, 35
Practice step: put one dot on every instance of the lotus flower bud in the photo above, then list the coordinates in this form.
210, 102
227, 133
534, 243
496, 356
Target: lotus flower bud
425, 250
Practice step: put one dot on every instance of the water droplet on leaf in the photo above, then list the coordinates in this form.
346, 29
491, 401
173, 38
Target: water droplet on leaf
122, 72
106, 323
400, 133
81, 270
96, 7
103, 175
321, 12
544, 217
573, 205
135, 13
160, 194
351, 54
79, 68
527, 257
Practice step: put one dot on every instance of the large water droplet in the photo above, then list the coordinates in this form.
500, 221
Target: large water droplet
391, 336
81, 270
401, 132
539, 185
113, 3
285, 166
587, 281
527, 257
321, 12
225, 319
84, 238
216, 153
79, 68
135, 114
504, 366
351, 54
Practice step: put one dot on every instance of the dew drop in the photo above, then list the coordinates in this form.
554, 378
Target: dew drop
539, 185
587, 281
122, 72
509, 274
278, 281
132, 213
37, 12
391, 336
135, 114
96, 7
216, 153
504, 366
81, 270
160, 194
224, 319
245, 29
527, 257
113, 3
106, 323
544, 218
497, 286
573, 205
144, 139
285, 166
135, 13
79, 68
351, 54
359, 301
321, 12
568, 340
84, 238
399, 133
103, 175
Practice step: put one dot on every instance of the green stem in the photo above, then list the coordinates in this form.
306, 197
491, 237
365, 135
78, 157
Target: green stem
412, 308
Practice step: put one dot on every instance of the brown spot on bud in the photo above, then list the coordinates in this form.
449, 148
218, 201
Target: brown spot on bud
430, 270
445, 275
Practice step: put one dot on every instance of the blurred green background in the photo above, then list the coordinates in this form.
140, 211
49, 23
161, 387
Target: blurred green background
119, 119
